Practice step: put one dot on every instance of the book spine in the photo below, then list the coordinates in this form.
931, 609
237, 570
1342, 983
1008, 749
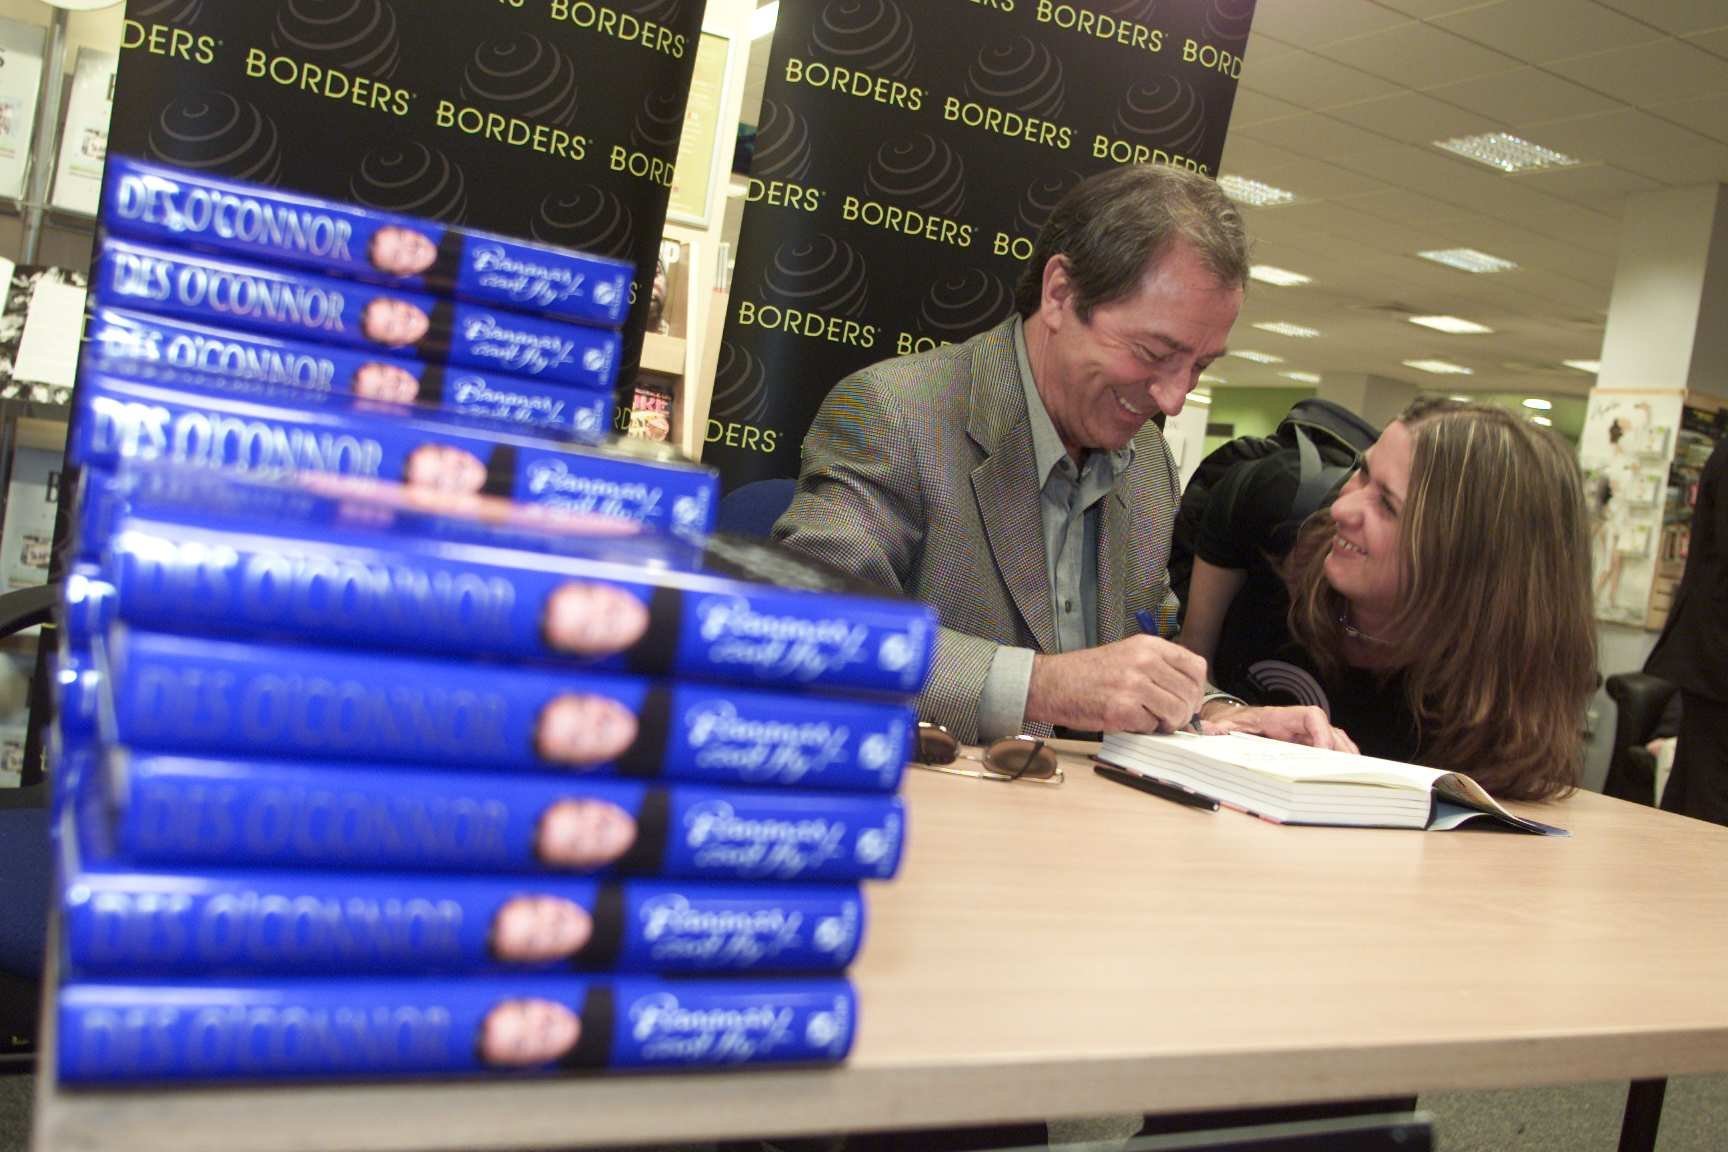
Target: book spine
264, 434
324, 310
269, 225
118, 924
379, 592
180, 811
193, 695
547, 1025
127, 342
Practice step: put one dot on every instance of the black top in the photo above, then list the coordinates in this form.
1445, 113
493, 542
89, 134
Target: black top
1247, 527
1693, 649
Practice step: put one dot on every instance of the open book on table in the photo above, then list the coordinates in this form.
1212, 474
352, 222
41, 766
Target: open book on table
1295, 784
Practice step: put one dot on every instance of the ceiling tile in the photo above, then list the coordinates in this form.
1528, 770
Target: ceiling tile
1316, 134
1318, 180
1589, 183
1414, 118
1716, 41
1311, 23
1706, 114
1419, 56
1524, 96
1655, 73
1428, 9
1253, 107
1677, 16
1613, 136
1312, 81
1538, 31
1247, 156
1688, 166
1413, 210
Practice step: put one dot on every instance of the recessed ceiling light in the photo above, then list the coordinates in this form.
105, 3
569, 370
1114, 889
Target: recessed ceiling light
1209, 378
1542, 420
1538, 403
1506, 152
1460, 397
1278, 277
1257, 357
1590, 366
1302, 377
1253, 193
1280, 328
1453, 324
1439, 367
1199, 397
1468, 260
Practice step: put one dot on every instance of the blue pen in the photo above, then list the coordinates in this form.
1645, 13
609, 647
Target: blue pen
1148, 621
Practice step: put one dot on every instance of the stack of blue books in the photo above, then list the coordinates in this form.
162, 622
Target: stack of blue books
265, 332
350, 789
402, 741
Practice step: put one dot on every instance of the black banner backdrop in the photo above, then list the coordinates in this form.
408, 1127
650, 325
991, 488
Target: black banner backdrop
555, 120
907, 154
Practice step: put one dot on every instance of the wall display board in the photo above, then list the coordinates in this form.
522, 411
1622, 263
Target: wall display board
1627, 443
699, 148
20, 79
554, 120
907, 154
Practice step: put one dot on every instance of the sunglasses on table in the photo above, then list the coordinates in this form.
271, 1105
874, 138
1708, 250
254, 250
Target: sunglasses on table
1015, 758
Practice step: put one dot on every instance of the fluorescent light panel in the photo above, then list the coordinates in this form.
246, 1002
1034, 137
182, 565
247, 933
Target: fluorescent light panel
1439, 367
1590, 366
1506, 152
1468, 260
1302, 377
1542, 420
1277, 277
1280, 328
1456, 325
1537, 403
1253, 193
1257, 357
1460, 397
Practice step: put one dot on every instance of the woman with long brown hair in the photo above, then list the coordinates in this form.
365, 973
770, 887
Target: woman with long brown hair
1438, 612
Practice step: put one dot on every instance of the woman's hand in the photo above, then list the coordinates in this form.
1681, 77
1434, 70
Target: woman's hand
1295, 725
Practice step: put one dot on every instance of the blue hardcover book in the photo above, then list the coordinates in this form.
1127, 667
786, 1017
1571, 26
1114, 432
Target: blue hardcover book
302, 568
354, 1029
259, 429
197, 695
118, 923
173, 811
271, 226
123, 342
324, 310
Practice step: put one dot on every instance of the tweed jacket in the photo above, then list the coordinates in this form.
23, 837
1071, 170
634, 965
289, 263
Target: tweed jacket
918, 475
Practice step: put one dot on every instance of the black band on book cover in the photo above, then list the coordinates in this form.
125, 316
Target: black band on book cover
440, 327
447, 265
645, 759
431, 385
594, 1046
501, 472
657, 651
653, 827
601, 954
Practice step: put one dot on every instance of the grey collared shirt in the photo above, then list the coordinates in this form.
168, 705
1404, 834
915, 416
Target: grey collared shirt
1069, 496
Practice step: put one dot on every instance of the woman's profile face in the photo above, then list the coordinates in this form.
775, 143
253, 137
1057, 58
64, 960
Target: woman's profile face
594, 619
397, 251
394, 322
527, 1032
581, 729
1366, 564
374, 381
584, 834
444, 468
540, 929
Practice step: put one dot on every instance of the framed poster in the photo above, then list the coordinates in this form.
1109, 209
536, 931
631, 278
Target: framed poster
699, 156
20, 78
84, 145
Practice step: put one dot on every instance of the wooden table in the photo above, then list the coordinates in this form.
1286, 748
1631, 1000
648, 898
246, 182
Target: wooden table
1089, 949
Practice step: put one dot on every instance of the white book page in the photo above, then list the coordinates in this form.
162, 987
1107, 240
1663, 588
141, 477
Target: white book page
1296, 763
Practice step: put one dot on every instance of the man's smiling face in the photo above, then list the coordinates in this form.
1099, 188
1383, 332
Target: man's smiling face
1106, 375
